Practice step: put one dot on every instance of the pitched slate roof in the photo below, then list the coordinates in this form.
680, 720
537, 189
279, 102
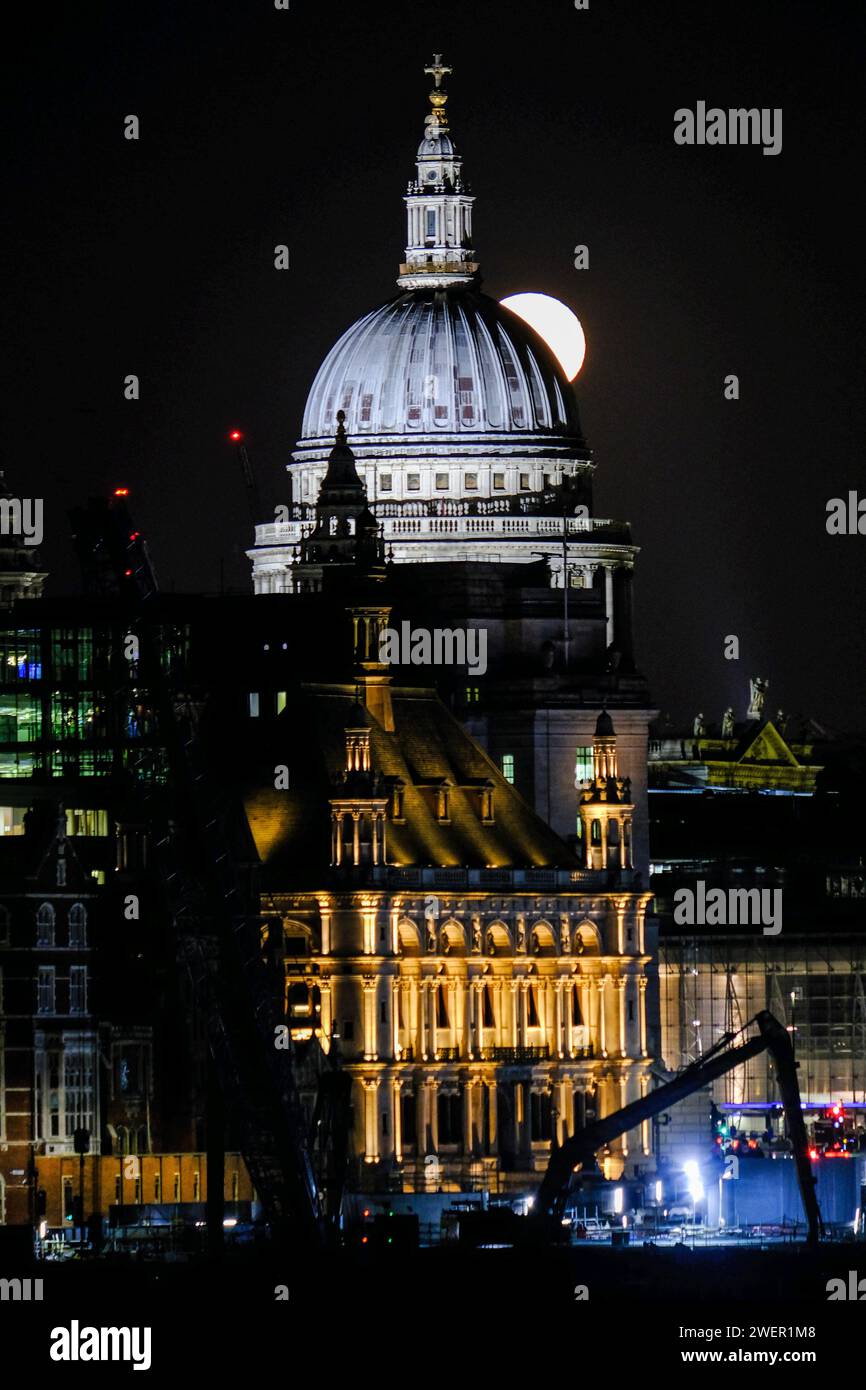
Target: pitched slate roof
428, 748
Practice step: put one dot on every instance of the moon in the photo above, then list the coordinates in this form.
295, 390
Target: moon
556, 324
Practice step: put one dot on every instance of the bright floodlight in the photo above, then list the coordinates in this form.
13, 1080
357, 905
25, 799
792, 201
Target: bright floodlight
556, 324
693, 1175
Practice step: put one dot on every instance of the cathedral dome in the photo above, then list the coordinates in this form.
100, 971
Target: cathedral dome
441, 362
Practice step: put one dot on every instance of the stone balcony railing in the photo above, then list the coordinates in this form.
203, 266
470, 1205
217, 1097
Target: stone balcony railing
496, 518
449, 267
507, 878
507, 1056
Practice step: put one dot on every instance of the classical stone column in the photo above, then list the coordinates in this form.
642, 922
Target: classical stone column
620, 999
492, 1117
467, 1039
395, 1016
370, 1049
548, 1016
453, 1016
425, 1135
418, 1035
524, 1012
325, 919
327, 1016
470, 1135
396, 1093
371, 1126
608, 604
646, 1139
521, 1126
642, 988
424, 1008
433, 1112
478, 987
567, 1107
558, 986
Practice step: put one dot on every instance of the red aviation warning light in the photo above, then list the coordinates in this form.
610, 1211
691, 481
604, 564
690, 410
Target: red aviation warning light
236, 436
121, 492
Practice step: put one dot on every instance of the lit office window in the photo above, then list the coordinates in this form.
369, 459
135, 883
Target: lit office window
583, 763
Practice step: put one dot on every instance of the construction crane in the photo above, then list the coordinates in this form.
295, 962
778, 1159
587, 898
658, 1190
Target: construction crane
580, 1149
250, 484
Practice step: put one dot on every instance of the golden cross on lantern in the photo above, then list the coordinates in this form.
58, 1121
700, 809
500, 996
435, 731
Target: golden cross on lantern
437, 71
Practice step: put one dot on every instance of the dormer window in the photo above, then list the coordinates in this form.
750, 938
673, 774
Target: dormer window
443, 799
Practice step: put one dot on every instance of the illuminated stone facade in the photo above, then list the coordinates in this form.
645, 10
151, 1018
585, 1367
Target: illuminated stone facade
485, 989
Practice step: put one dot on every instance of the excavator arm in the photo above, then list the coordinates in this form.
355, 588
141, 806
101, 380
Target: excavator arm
580, 1149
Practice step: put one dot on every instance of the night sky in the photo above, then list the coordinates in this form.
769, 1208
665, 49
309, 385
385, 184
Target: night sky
261, 127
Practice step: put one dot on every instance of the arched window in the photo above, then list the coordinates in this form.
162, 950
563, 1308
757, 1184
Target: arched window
596, 832
77, 921
45, 920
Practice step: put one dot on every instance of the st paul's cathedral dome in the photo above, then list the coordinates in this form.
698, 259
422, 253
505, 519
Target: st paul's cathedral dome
462, 423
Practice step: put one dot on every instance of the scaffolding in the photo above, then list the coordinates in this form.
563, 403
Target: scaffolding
814, 984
